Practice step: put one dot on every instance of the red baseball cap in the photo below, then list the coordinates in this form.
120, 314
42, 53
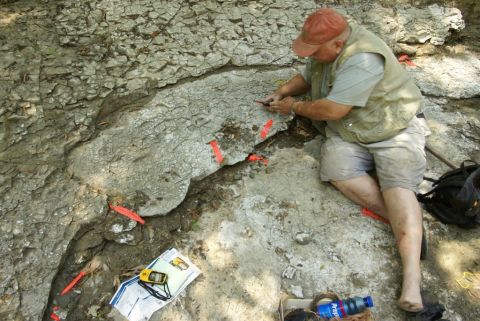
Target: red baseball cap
321, 26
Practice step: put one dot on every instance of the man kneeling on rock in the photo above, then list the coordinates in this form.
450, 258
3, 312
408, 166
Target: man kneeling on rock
372, 110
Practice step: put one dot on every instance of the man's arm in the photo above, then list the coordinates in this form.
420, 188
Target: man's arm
320, 109
355, 82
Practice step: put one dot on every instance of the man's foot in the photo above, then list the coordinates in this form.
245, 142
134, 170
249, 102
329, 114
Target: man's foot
411, 299
410, 306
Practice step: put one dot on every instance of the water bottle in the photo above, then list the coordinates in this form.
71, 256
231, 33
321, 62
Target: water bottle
342, 308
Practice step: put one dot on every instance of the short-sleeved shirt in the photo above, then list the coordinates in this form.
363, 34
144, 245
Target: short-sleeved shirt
355, 79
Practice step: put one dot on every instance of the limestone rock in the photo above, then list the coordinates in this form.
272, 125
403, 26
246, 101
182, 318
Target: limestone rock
289, 272
70, 69
450, 76
153, 152
303, 238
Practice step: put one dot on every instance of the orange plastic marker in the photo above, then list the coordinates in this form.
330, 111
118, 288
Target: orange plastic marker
72, 284
55, 317
216, 151
255, 158
367, 212
266, 128
128, 213
406, 59
410, 63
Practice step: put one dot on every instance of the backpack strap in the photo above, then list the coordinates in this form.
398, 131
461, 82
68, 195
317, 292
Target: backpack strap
430, 179
465, 169
424, 197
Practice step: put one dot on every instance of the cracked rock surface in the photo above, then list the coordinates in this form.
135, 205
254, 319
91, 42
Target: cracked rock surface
162, 147
117, 100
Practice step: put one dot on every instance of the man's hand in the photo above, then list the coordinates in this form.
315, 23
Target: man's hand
283, 106
270, 98
273, 97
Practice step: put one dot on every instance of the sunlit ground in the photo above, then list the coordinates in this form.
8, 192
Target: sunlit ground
7, 18
458, 261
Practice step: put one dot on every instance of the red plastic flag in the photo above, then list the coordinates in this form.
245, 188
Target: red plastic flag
406, 59
216, 151
72, 284
367, 212
55, 317
128, 213
255, 158
266, 128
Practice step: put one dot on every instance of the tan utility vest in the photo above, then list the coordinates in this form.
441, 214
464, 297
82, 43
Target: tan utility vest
395, 100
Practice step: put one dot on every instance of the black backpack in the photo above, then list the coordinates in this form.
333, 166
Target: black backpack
455, 197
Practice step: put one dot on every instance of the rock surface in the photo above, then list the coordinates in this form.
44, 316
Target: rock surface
159, 149
94, 93
453, 76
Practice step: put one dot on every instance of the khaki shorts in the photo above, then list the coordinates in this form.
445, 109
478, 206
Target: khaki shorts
399, 161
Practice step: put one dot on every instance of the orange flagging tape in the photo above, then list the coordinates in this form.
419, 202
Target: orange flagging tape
406, 59
266, 128
256, 158
128, 213
216, 151
367, 212
72, 284
55, 317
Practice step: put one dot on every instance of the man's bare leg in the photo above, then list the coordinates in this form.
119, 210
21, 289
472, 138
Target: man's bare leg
406, 221
364, 191
405, 217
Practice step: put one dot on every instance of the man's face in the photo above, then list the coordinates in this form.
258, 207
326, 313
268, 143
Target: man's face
328, 51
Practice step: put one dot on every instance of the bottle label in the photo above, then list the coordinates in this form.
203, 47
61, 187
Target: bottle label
331, 310
342, 308
335, 310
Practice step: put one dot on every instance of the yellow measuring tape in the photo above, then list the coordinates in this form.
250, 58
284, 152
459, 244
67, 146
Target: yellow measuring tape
471, 282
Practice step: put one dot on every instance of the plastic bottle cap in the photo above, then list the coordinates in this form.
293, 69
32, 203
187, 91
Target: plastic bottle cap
368, 301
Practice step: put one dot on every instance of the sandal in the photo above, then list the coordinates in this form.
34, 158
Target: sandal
430, 312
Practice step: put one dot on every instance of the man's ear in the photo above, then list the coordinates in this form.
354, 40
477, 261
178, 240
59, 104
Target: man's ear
339, 43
